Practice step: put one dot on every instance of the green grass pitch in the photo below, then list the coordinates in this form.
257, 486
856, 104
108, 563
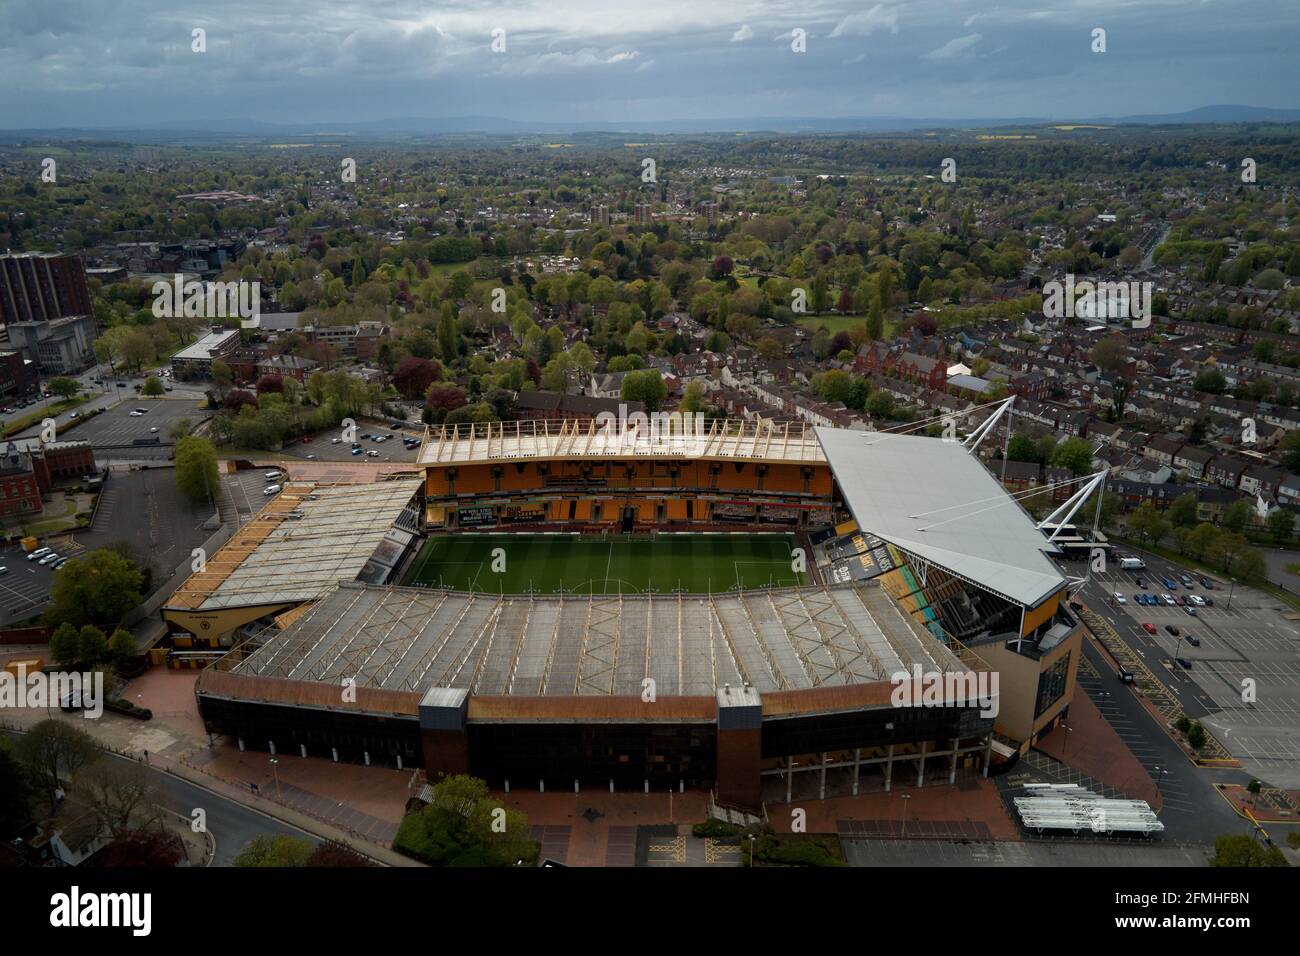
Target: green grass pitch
545, 564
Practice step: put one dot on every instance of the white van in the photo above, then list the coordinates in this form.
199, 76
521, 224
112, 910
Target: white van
39, 552
271, 490
272, 476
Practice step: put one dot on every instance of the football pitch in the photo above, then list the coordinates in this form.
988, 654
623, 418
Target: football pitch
608, 564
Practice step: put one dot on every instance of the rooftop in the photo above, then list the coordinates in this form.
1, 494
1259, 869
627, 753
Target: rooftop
935, 500
633, 437
302, 543
409, 640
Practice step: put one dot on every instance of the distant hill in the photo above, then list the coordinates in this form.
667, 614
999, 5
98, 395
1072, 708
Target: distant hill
425, 126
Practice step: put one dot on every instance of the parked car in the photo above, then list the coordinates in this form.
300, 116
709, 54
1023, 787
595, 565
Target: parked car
1168, 599
271, 490
38, 553
336, 441
372, 453
1192, 640
1172, 629
4, 570
1191, 610
1120, 599
1148, 627
1209, 601
49, 558
1125, 675
1141, 583
1184, 663
356, 450
1207, 584
1169, 583
1186, 579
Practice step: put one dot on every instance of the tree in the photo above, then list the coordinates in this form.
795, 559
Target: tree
276, 851
64, 387
1237, 515
64, 644
100, 585
236, 400
15, 793
152, 847
122, 644
197, 477
120, 793
1290, 451
52, 750
414, 376
153, 387
270, 384
1281, 524
880, 404
645, 386
334, 854
1023, 448
444, 399
1241, 850
844, 304
92, 646
1201, 540
1210, 380
875, 321
1148, 524
1074, 454
1182, 513
222, 376
1109, 354
462, 826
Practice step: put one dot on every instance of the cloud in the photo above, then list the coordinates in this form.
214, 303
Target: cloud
743, 34
857, 59
953, 49
879, 17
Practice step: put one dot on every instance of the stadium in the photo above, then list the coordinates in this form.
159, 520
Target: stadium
604, 605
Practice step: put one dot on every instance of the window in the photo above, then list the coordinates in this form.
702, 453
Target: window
1051, 684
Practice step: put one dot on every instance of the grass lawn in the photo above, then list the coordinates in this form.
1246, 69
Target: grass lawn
612, 564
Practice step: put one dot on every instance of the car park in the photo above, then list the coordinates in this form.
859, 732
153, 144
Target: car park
1141, 583
49, 558
372, 453
356, 449
1191, 610
1207, 584
1168, 599
38, 553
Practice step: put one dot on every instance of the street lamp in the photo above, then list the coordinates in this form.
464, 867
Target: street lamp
751, 851
275, 773
1066, 741
1160, 772
1232, 587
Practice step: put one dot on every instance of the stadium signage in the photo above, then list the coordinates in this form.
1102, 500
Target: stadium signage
946, 689
472, 517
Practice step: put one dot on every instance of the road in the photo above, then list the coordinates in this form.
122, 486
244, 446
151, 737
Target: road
231, 824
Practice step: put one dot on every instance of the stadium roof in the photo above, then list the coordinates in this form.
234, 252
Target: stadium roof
306, 540
631, 438
937, 501
409, 640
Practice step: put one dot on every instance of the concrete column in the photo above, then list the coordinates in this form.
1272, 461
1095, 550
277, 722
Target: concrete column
399, 761
952, 772
443, 715
920, 764
739, 747
272, 745
507, 784
541, 786
575, 784
889, 769
857, 768
647, 786
335, 752
988, 756
241, 745
366, 755
611, 786
789, 779
302, 750
822, 787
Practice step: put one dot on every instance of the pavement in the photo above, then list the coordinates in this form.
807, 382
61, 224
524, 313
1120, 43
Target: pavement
1244, 684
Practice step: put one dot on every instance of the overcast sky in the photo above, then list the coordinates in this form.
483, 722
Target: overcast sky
123, 62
